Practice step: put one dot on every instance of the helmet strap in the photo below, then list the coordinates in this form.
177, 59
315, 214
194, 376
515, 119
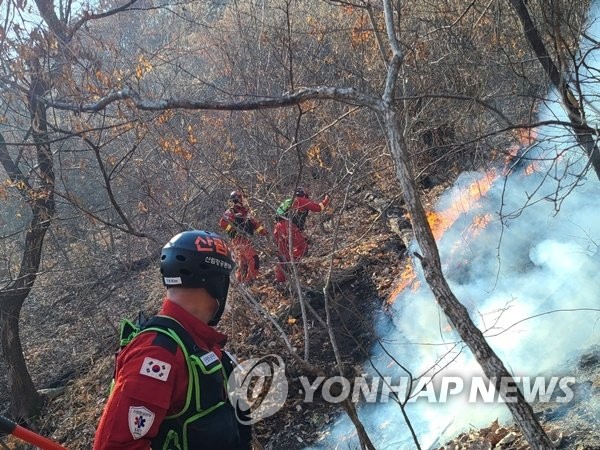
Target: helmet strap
213, 320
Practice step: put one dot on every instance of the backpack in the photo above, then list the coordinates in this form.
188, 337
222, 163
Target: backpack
298, 217
208, 376
284, 207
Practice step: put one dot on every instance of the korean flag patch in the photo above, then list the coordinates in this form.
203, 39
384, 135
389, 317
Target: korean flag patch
155, 368
140, 421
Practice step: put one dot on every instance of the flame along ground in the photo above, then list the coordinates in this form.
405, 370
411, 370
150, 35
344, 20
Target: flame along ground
440, 221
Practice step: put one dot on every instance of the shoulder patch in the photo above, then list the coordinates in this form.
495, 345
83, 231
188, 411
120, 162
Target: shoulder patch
155, 368
209, 358
140, 421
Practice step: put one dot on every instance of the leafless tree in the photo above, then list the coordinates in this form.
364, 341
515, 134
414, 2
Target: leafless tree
563, 72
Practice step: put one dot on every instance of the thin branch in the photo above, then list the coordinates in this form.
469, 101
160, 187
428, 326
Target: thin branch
87, 17
247, 295
364, 439
107, 184
477, 100
376, 32
397, 55
96, 217
13, 171
535, 316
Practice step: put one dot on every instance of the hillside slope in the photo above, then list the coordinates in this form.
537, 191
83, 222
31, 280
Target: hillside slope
70, 337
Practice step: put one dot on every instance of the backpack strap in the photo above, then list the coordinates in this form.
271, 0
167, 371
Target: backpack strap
127, 331
168, 323
229, 363
210, 374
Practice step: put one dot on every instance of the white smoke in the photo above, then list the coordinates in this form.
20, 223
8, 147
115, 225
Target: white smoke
511, 277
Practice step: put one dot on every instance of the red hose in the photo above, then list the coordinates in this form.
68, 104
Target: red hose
8, 426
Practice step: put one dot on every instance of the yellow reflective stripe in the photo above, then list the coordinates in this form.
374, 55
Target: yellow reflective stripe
259, 229
229, 227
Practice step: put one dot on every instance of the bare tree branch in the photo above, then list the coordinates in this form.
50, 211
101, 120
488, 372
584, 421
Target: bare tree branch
14, 173
344, 95
87, 17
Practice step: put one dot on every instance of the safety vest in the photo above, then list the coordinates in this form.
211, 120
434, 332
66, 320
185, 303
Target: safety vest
207, 419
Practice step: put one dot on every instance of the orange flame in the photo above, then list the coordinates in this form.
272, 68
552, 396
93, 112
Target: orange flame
526, 136
440, 221
531, 169
408, 277
479, 223
512, 153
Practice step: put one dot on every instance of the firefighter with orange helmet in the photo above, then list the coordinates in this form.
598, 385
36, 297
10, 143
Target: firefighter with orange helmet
290, 223
240, 226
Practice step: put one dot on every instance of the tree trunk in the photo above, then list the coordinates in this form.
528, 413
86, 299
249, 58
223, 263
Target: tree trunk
456, 313
585, 135
25, 402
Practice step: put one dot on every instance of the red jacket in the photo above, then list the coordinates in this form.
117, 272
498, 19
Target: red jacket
236, 221
151, 379
300, 208
306, 204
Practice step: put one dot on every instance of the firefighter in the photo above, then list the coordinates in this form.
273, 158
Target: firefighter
240, 226
169, 389
290, 223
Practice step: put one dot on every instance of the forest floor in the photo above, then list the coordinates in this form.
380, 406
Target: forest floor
70, 336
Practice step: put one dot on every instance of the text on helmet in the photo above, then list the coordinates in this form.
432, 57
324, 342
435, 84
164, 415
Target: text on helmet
212, 244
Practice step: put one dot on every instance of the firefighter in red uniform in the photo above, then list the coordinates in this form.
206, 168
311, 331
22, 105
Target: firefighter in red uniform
291, 220
240, 226
169, 388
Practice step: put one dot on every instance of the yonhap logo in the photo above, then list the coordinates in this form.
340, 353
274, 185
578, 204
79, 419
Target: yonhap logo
258, 388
